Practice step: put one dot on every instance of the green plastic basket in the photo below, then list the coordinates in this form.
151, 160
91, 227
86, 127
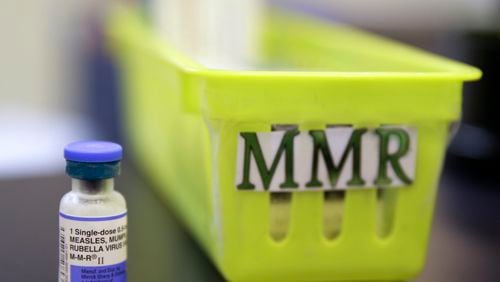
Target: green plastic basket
183, 122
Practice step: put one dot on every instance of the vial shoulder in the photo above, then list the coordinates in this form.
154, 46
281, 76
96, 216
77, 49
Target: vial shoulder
73, 203
119, 198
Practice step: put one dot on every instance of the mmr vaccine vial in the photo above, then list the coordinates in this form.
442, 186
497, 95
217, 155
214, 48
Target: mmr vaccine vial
92, 216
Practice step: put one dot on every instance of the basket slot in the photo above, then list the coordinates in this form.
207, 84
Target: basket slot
333, 209
279, 215
386, 205
284, 127
386, 209
279, 211
338, 125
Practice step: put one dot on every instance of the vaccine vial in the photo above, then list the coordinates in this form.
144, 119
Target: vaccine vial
92, 216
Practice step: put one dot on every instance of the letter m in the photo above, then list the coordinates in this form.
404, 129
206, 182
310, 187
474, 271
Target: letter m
252, 148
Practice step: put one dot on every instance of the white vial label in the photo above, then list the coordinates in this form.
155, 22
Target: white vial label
92, 249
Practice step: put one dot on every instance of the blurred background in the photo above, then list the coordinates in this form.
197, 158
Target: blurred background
58, 83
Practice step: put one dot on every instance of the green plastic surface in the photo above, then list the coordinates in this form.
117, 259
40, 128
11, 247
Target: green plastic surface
183, 121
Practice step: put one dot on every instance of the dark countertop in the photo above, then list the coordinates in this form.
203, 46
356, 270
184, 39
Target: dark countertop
161, 250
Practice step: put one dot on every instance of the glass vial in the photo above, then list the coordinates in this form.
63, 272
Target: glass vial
92, 216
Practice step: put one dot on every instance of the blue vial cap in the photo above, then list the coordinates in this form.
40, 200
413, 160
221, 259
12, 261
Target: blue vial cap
93, 160
93, 152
